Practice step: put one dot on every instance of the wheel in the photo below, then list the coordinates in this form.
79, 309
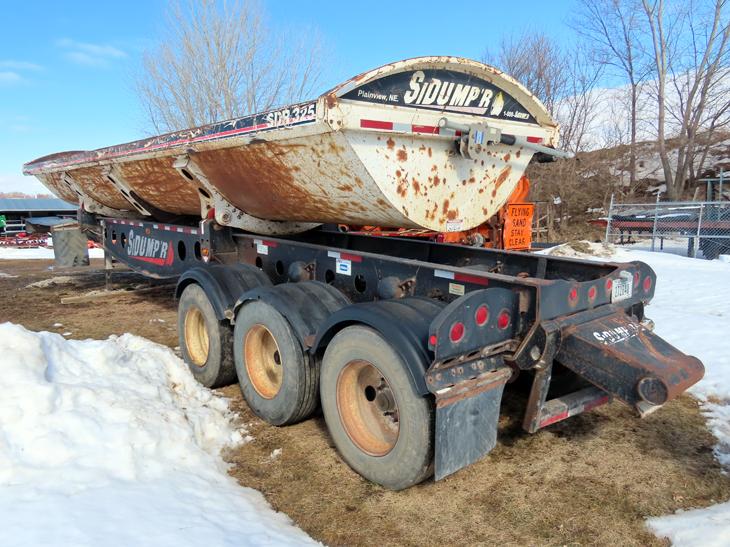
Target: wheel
278, 380
381, 426
205, 342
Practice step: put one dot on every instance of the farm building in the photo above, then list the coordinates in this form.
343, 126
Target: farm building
17, 210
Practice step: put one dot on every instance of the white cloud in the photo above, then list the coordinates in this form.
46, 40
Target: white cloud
87, 54
19, 65
9, 77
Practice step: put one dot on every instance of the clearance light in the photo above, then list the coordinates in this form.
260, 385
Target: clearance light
592, 294
503, 320
457, 331
481, 316
432, 340
609, 285
573, 295
647, 283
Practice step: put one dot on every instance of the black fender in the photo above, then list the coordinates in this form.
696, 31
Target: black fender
305, 305
403, 323
223, 284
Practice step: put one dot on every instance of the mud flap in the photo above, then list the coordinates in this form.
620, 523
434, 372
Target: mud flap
467, 416
624, 358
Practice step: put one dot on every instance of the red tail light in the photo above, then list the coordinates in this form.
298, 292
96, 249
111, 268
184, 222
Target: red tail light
609, 285
457, 331
592, 294
503, 320
647, 283
481, 316
432, 340
573, 295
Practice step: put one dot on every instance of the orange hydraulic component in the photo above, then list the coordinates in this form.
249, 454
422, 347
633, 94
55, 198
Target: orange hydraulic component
510, 228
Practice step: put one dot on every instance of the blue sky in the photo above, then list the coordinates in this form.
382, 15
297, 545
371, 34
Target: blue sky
66, 67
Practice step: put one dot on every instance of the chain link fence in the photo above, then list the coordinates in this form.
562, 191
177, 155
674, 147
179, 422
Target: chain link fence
695, 228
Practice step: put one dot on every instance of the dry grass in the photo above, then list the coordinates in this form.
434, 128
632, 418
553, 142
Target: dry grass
592, 479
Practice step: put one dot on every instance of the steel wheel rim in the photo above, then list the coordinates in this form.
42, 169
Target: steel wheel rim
263, 361
197, 340
367, 408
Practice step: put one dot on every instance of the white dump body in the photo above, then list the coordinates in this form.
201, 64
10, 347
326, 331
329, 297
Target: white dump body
369, 152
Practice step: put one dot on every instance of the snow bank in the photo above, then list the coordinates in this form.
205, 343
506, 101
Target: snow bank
38, 253
691, 310
113, 443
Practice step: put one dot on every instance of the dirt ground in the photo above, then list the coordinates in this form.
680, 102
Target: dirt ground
592, 479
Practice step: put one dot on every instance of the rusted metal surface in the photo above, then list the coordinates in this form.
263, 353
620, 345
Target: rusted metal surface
368, 152
624, 358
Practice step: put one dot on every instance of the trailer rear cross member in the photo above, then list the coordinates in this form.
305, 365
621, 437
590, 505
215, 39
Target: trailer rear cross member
388, 332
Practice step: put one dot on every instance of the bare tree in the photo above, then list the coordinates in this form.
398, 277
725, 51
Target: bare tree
536, 61
577, 107
614, 29
218, 59
689, 43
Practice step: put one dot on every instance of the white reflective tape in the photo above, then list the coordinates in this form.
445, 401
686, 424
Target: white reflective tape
262, 249
333, 254
444, 274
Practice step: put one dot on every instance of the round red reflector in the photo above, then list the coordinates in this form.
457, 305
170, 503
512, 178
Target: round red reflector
573, 295
592, 293
432, 340
609, 285
481, 315
503, 319
636, 279
647, 283
457, 331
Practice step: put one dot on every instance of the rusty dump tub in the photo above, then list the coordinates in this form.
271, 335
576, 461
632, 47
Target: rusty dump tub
433, 142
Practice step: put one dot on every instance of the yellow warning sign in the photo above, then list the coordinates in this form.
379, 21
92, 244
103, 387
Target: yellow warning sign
517, 234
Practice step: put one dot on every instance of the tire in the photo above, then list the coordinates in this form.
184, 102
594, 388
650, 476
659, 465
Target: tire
362, 417
205, 342
278, 380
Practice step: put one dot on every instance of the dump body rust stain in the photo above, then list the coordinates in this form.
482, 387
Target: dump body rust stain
390, 143
402, 155
416, 186
506, 157
503, 174
445, 207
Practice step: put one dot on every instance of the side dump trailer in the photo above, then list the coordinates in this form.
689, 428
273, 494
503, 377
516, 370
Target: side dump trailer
407, 345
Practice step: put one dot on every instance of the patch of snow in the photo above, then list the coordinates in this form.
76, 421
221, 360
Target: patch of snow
708, 527
6, 275
112, 442
57, 325
51, 282
275, 454
39, 253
